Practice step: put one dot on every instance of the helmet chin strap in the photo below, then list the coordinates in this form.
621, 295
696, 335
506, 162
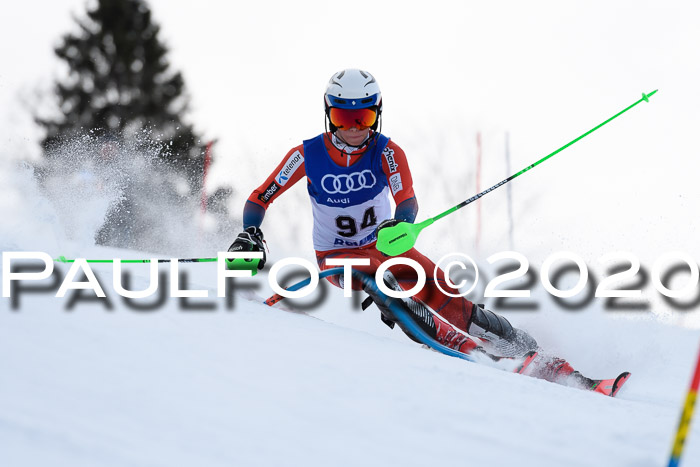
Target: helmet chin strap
357, 146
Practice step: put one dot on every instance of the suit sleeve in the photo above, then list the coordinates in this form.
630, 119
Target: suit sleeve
398, 174
285, 175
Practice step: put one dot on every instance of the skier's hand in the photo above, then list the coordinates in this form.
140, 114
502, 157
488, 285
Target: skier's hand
251, 239
384, 224
387, 223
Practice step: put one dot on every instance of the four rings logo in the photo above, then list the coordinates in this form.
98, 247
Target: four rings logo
344, 184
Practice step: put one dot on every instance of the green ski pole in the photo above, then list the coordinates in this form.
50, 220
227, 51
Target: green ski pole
238, 263
402, 237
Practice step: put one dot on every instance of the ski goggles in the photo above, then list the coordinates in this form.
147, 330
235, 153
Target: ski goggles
345, 119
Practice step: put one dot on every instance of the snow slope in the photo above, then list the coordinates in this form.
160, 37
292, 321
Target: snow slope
261, 386
84, 383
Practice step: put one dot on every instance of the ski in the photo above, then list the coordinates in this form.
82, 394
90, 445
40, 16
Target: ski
510, 364
520, 365
529, 357
610, 387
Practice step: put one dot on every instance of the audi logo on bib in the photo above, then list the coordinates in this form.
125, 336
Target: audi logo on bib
344, 184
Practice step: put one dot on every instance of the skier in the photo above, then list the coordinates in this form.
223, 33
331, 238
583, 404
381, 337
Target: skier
351, 169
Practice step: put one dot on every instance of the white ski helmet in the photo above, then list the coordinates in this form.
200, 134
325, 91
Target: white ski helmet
353, 89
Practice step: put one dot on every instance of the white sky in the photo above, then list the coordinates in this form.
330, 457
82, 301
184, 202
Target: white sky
544, 71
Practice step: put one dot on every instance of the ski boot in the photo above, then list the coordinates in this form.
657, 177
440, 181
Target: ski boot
502, 338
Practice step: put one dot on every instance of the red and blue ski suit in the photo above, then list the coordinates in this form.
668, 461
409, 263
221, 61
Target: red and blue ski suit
349, 190
349, 194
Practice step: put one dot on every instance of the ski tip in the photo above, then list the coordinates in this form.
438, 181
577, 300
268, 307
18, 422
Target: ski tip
610, 387
619, 381
273, 300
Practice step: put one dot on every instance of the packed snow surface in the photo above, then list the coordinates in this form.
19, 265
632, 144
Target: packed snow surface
87, 382
197, 383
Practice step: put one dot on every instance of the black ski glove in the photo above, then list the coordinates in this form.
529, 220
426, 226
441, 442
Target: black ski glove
251, 239
387, 223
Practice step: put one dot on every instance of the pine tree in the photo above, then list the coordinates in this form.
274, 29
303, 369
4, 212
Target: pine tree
123, 94
120, 83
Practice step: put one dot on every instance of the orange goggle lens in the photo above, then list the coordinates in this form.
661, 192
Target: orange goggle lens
349, 118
